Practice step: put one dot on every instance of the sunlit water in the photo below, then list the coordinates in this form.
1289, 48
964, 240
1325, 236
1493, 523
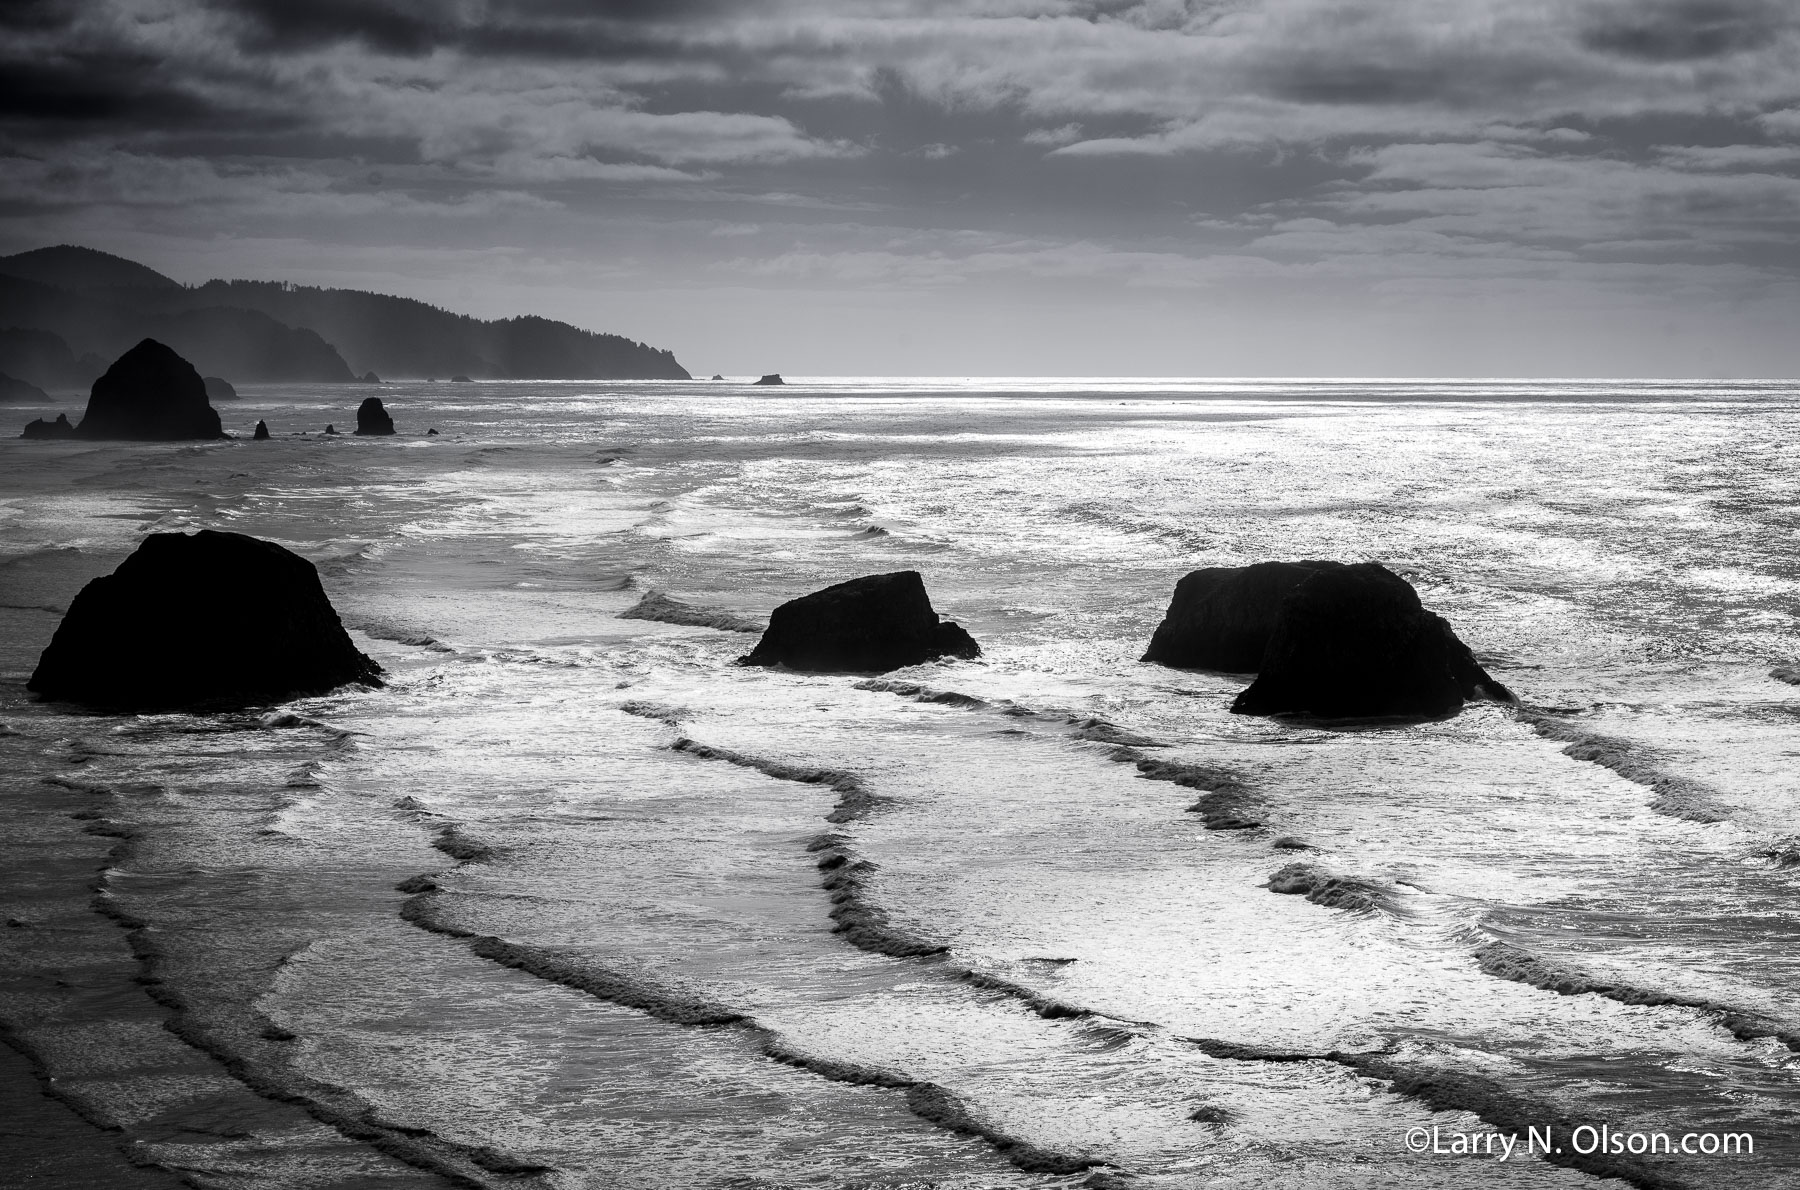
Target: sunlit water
623, 969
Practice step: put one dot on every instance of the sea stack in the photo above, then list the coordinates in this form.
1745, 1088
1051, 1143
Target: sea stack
330, 429
39, 428
218, 388
772, 378
867, 625
262, 432
1352, 642
1222, 617
372, 418
207, 619
150, 394
370, 378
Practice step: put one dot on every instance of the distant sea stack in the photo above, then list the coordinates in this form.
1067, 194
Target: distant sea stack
218, 388
190, 621
1344, 642
262, 432
372, 418
370, 378
150, 394
716, 376
39, 428
772, 378
867, 625
461, 380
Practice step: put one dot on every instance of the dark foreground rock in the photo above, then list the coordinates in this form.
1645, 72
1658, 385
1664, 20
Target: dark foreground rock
372, 418
150, 394
39, 428
867, 625
262, 432
1222, 617
1355, 642
218, 388
772, 378
208, 619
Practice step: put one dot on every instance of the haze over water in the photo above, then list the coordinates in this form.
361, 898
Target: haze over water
620, 967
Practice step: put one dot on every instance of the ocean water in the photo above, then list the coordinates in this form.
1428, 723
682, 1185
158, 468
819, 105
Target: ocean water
574, 902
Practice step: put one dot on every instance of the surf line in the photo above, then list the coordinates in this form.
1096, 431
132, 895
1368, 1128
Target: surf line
935, 1104
1229, 802
336, 1107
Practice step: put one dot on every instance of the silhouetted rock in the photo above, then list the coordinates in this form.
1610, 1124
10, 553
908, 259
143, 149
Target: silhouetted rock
218, 388
372, 418
330, 429
39, 428
716, 376
370, 378
772, 378
1221, 617
432, 432
199, 620
262, 432
1355, 642
14, 391
461, 380
150, 394
870, 624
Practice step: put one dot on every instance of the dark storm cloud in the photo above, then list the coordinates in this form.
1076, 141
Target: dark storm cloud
553, 28
1687, 30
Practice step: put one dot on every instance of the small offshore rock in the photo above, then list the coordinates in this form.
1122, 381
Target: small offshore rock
39, 428
772, 378
262, 432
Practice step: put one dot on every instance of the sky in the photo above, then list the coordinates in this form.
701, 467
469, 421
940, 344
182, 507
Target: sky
995, 187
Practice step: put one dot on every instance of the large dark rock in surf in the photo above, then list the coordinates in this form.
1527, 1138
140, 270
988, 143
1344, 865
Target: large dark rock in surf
867, 625
211, 619
1222, 617
1355, 642
218, 388
373, 418
39, 428
150, 394
772, 378
262, 432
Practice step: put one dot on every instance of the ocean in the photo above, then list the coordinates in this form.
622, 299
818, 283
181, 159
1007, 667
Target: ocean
574, 902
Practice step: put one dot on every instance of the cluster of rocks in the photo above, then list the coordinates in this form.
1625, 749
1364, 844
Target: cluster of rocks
152, 394
1323, 639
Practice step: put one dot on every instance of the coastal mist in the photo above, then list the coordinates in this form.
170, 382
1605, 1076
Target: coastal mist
573, 901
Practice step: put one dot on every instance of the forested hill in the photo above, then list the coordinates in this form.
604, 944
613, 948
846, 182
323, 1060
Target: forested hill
98, 305
395, 336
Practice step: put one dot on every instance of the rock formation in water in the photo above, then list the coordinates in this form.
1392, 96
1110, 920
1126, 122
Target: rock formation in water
373, 418
218, 388
461, 380
867, 625
39, 428
1355, 642
1222, 617
262, 432
208, 619
150, 394
716, 376
772, 378
330, 429
370, 378
14, 391
432, 432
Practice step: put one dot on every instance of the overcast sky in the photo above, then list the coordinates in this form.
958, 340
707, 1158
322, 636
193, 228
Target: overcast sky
1208, 187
